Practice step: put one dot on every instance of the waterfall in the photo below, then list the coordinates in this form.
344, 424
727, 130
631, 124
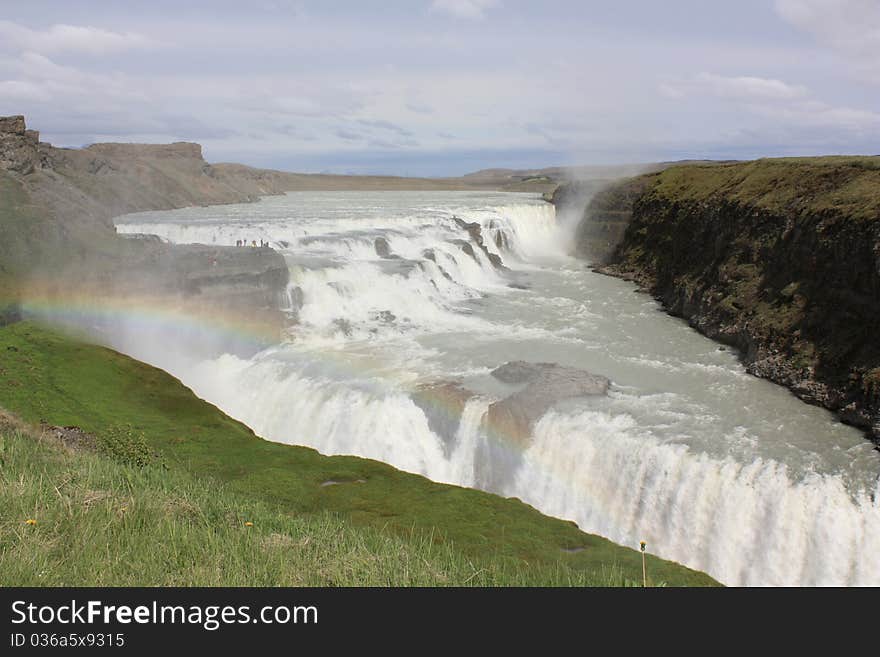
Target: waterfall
392, 293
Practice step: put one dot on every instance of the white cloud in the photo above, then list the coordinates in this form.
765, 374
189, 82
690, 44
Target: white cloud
23, 90
852, 25
70, 38
738, 88
783, 103
464, 8
816, 114
849, 27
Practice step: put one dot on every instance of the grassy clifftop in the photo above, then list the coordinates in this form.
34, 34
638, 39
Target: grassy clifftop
846, 184
48, 377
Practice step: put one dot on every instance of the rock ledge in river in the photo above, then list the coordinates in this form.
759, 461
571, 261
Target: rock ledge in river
544, 384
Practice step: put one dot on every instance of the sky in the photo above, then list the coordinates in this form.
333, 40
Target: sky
444, 87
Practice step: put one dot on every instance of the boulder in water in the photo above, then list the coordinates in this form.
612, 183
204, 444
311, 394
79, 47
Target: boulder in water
466, 247
383, 249
476, 234
544, 384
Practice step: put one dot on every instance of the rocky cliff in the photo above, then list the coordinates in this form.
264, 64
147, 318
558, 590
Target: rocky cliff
601, 210
18, 145
57, 237
778, 258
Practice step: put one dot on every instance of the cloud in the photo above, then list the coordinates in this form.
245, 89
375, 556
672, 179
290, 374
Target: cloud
472, 9
785, 105
741, 87
348, 135
387, 145
35, 75
850, 25
22, 91
819, 115
419, 108
386, 125
70, 38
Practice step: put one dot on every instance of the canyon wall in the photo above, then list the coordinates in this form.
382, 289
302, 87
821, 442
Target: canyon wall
778, 258
58, 241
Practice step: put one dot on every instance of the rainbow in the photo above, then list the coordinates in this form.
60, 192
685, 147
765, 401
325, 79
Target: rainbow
149, 313
84, 311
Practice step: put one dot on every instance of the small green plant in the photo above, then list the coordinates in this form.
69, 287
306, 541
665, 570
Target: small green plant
129, 446
642, 546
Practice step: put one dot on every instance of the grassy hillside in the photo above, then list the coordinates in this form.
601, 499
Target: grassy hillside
85, 519
45, 376
846, 184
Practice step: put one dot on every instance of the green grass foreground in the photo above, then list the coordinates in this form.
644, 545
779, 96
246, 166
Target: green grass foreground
185, 512
101, 523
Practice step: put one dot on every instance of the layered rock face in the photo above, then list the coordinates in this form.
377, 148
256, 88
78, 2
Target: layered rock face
182, 149
778, 258
600, 209
18, 146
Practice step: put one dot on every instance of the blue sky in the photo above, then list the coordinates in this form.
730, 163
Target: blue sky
442, 87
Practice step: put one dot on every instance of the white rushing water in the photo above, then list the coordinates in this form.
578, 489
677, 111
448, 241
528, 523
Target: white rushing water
715, 469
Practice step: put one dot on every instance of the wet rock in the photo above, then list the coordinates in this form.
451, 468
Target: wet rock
142, 237
466, 248
343, 325
297, 298
495, 259
544, 384
475, 231
383, 249
385, 316
443, 404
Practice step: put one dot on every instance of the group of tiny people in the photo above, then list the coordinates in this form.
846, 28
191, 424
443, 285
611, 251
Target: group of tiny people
253, 243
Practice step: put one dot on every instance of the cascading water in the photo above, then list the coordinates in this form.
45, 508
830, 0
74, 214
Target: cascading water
400, 310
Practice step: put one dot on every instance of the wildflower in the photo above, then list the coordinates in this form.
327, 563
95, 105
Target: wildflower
248, 524
30, 521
